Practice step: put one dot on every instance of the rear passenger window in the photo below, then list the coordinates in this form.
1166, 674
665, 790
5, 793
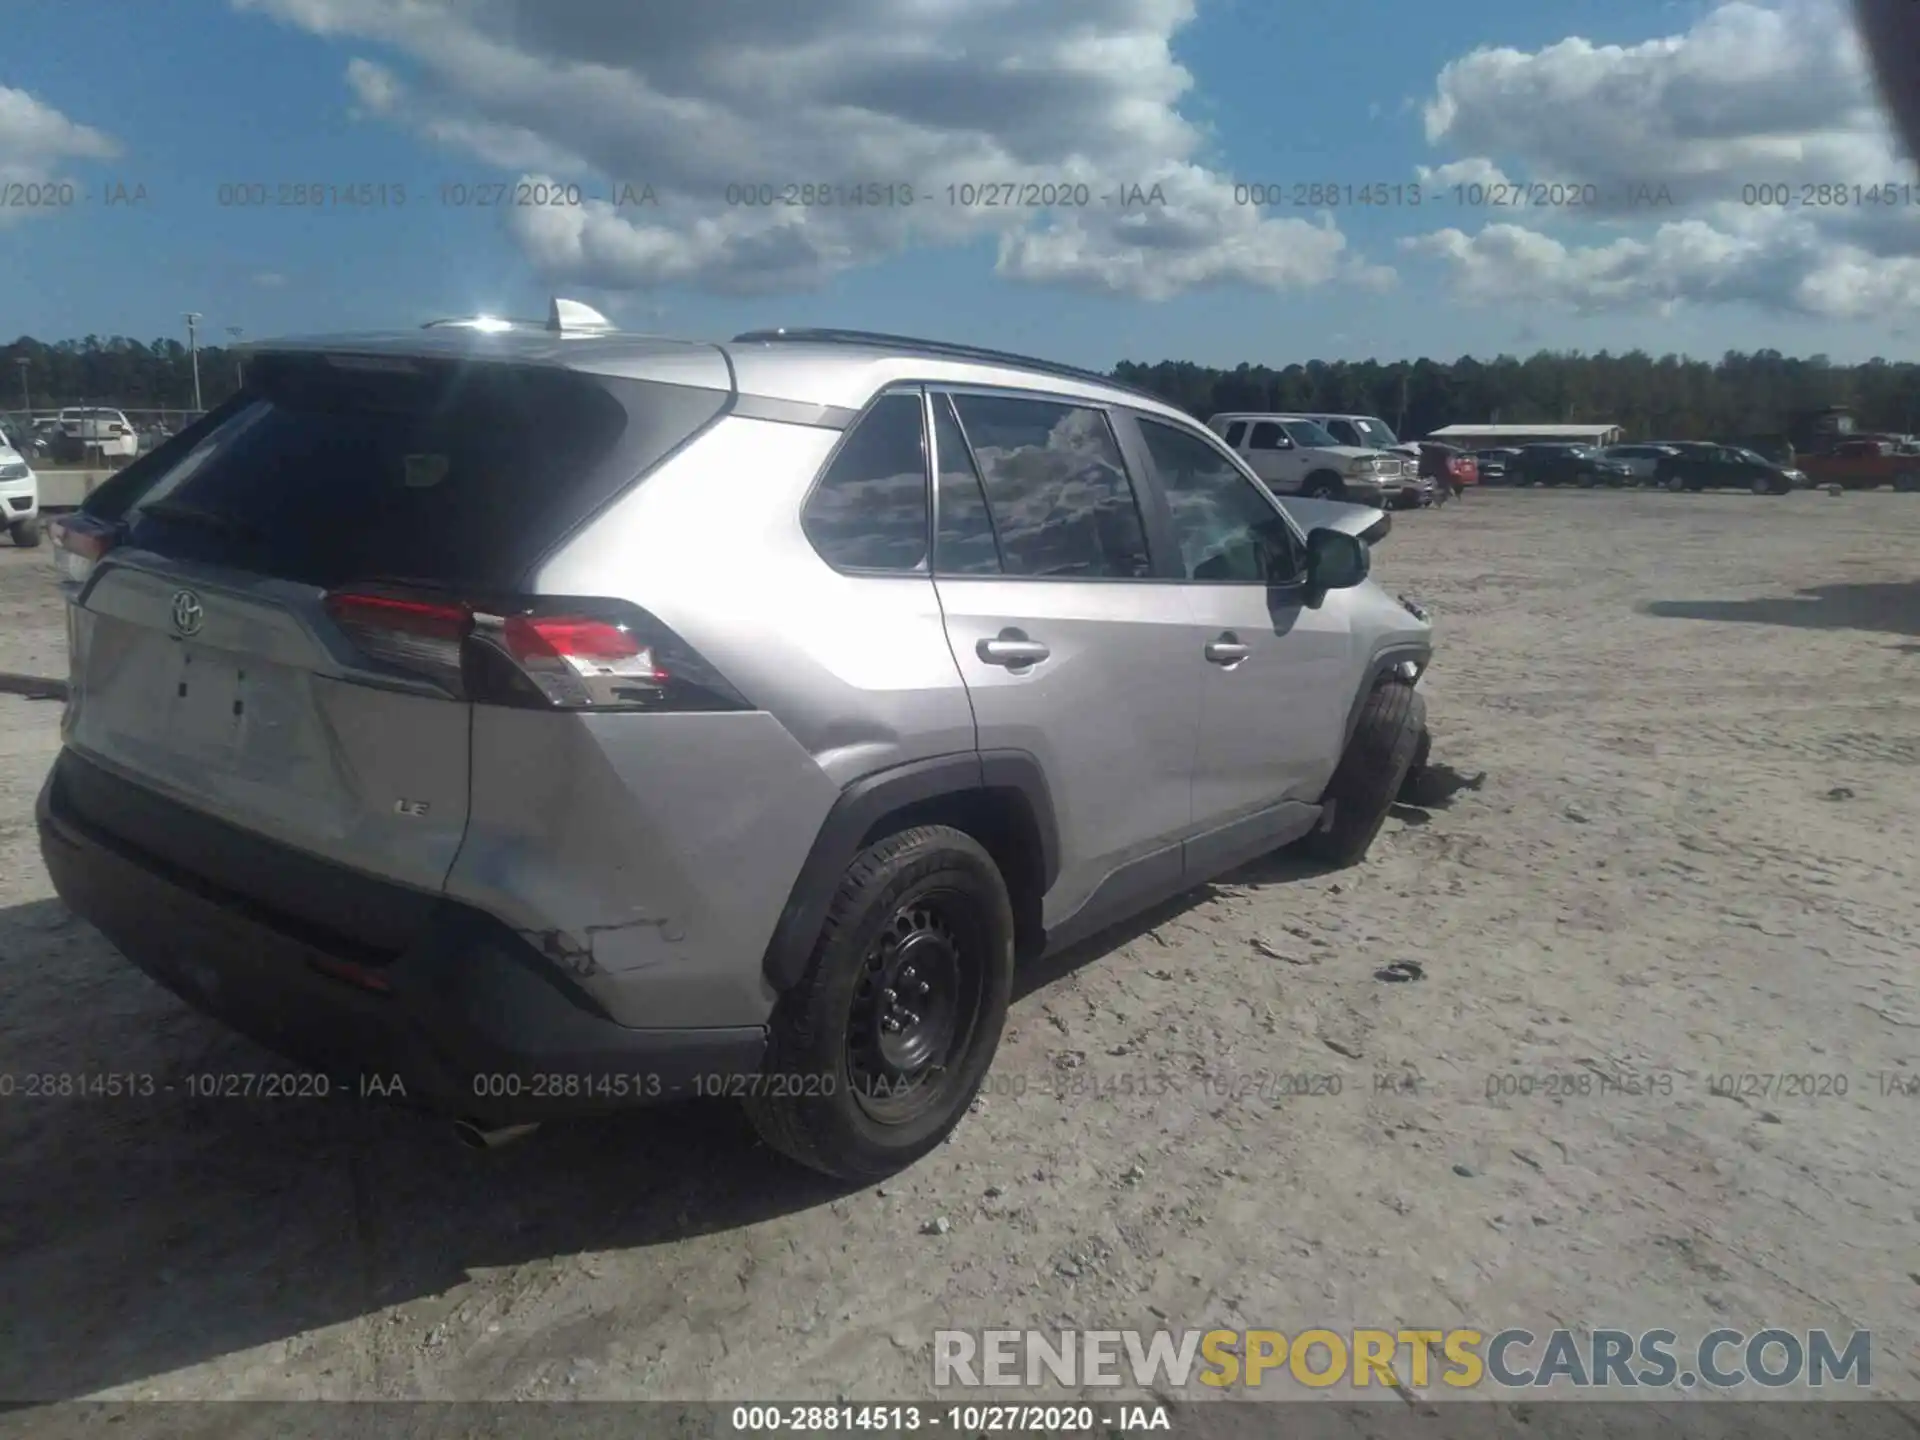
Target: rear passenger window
1061, 500
1236, 432
869, 511
964, 543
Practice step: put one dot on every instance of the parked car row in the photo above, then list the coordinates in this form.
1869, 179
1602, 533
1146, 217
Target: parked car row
1669, 464
88, 433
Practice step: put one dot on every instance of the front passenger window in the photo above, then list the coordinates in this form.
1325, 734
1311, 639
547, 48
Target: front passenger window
1228, 532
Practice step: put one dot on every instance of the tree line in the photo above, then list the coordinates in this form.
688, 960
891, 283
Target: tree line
1669, 397
117, 371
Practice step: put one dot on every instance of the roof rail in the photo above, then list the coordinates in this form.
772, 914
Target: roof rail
564, 317
944, 349
480, 322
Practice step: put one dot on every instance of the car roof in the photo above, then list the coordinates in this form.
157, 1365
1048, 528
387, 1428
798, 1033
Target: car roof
1237, 416
832, 368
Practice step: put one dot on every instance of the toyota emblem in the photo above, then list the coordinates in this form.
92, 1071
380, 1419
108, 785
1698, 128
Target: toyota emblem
187, 613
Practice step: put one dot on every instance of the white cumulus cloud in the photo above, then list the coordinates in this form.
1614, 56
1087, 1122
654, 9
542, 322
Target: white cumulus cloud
36, 140
916, 95
1745, 160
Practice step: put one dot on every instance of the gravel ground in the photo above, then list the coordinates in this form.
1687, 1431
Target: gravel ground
1678, 764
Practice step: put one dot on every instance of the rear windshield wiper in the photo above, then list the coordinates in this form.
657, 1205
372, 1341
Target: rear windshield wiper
185, 514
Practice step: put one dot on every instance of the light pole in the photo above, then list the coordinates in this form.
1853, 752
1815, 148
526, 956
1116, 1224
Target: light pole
193, 350
239, 366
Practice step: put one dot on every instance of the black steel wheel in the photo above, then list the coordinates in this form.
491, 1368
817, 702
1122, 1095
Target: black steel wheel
915, 1006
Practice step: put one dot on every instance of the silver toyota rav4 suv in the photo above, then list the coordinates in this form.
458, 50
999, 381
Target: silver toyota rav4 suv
539, 719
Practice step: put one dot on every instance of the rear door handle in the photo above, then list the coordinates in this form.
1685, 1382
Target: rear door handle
1227, 650
1011, 650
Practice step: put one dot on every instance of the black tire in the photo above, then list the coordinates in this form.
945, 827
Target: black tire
25, 533
1675, 483
828, 1100
1323, 485
1371, 773
1906, 482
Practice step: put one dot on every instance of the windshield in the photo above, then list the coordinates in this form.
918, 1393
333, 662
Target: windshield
1305, 432
1376, 432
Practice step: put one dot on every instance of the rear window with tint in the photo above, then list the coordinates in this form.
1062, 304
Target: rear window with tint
442, 473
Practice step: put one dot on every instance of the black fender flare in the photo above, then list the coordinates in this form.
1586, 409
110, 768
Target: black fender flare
1377, 670
864, 803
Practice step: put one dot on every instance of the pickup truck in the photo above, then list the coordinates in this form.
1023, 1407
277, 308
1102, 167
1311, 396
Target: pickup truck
1866, 464
1294, 456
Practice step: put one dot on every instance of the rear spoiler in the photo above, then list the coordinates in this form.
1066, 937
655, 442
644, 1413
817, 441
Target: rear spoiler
1365, 521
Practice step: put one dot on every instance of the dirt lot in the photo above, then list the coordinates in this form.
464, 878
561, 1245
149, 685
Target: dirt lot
1687, 849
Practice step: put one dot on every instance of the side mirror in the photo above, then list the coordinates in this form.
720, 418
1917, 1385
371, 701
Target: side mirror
1335, 561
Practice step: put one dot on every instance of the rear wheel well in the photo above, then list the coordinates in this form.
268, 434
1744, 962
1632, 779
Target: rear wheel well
1002, 820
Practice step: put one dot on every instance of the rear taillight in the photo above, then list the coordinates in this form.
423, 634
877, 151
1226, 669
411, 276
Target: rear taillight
424, 636
539, 653
79, 542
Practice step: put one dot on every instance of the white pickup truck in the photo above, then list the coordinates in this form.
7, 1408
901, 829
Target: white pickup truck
1294, 456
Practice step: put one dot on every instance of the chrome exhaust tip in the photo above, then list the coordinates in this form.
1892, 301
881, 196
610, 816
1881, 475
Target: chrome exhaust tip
476, 1136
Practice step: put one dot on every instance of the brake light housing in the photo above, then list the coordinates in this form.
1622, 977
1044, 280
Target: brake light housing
80, 542
533, 652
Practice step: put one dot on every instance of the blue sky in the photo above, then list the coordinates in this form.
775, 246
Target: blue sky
186, 98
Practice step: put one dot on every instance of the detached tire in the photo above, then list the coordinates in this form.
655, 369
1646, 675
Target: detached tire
25, 533
876, 1053
1385, 743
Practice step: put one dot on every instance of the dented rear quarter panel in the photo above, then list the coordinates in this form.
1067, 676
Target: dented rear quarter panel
647, 856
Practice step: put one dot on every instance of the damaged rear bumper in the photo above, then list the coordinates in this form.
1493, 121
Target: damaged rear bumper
465, 1017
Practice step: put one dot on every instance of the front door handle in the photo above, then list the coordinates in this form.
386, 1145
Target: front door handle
1228, 650
1012, 649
